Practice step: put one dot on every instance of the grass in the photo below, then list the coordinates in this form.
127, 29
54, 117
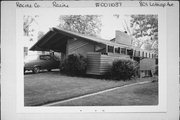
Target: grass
49, 87
145, 94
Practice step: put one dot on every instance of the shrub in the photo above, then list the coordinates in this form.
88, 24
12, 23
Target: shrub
124, 69
74, 64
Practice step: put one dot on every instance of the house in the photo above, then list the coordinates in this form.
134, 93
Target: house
99, 52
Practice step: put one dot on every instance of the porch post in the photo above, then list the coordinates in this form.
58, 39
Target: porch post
106, 48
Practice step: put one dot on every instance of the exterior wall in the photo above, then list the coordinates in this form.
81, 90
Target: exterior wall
107, 60
93, 65
99, 64
147, 64
79, 46
147, 67
123, 38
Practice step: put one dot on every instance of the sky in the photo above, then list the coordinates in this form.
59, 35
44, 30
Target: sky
111, 24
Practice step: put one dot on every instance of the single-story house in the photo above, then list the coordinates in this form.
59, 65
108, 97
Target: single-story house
99, 52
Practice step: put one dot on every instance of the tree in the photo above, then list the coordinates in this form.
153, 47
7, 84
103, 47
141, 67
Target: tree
27, 22
84, 24
145, 29
40, 35
144, 25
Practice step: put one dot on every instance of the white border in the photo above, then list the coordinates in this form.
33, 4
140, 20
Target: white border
161, 107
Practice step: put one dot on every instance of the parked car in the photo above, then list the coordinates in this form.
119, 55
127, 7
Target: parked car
35, 63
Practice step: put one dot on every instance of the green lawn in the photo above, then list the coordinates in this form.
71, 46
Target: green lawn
49, 87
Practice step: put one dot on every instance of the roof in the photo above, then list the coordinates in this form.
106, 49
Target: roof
55, 36
55, 39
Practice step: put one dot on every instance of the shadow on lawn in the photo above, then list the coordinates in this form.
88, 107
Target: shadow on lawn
105, 77
42, 71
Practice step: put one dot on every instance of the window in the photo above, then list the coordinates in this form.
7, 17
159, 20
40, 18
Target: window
117, 50
139, 53
97, 48
123, 50
146, 54
110, 49
100, 48
142, 54
130, 52
45, 57
134, 53
149, 55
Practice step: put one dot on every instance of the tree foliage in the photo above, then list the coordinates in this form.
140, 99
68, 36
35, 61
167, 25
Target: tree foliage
40, 35
144, 25
145, 29
74, 64
27, 22
122, 69
84, 24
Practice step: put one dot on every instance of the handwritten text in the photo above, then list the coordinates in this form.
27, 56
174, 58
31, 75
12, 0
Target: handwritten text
55, 4
27, 5
155, 4
104, 4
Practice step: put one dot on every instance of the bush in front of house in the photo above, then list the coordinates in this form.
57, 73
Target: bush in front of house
74, 64
123, 69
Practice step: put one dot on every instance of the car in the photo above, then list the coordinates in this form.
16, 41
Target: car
36, 63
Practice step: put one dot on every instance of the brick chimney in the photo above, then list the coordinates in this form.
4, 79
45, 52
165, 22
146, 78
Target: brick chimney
122, 38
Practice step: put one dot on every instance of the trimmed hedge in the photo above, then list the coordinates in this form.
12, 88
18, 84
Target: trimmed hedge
74, 64
123, 69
